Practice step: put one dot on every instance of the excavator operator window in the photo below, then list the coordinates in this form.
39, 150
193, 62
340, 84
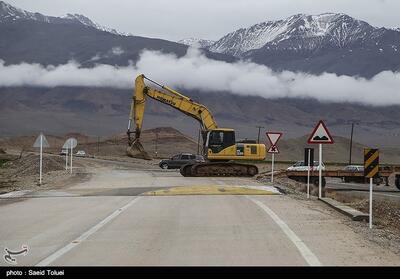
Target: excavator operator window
220, 140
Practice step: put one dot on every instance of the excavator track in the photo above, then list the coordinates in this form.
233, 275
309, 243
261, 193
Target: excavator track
218, 169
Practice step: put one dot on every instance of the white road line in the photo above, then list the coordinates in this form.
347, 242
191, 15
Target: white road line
84, 236
306, 253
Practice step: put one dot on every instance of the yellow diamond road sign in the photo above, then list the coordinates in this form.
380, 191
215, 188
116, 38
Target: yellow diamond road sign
371, 162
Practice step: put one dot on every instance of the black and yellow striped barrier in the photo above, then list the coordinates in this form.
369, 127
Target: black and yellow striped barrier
371, 162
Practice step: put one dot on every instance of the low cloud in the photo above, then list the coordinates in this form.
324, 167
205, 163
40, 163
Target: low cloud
195, 71
117, 51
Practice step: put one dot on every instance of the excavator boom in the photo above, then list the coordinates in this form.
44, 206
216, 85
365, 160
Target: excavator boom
169, 97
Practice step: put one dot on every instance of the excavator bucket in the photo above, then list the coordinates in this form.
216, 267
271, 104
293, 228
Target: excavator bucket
136, 150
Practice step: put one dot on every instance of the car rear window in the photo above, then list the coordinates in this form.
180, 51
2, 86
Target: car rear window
185, 157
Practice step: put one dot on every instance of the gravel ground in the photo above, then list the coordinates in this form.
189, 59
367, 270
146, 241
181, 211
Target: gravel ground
29, 165
23, 173
386, 214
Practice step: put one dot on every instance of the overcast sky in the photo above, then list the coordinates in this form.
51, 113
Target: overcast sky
208, 19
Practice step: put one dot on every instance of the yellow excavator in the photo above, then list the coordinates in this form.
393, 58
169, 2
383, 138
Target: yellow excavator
219, 144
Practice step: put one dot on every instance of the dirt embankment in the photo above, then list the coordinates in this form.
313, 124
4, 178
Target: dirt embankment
29, 165
22, 173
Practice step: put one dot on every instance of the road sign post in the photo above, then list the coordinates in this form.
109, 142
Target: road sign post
273, 139
66, 159
320, 171
70, 144
371, 170
320, 135
370, 202
272, 168
41, 160
308, 174
40, 143
71, 150
309, 160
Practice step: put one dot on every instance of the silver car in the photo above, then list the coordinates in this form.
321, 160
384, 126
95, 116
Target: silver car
80, 153
355, 168
300, 166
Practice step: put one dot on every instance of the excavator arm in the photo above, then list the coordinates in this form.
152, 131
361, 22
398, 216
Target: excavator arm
169, 97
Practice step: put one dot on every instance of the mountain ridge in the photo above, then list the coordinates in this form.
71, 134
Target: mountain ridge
9, 13
323, 30
314, 44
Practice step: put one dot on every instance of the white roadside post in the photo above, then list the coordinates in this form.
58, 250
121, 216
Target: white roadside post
41, 142
320, 135
308, 174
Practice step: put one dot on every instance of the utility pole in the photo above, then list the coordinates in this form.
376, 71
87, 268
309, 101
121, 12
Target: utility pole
198, 142
351, 141
259, 130
156, 143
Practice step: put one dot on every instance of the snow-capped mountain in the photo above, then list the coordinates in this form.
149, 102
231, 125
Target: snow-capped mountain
195, 41
9, 13
88, 22
300, 32
35, 38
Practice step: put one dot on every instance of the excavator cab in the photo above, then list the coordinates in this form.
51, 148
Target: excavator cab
218, 140
221, 145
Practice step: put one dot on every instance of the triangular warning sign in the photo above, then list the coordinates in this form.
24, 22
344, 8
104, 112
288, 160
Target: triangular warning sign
274, 137
42, 138
273, 149
320, 134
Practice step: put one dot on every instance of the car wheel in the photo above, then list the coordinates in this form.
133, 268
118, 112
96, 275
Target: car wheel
164, 166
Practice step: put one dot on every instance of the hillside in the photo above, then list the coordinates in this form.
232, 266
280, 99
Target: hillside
168, 141
104, 111
293, 149
165, 140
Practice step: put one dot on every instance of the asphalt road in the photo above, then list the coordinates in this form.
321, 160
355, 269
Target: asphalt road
104, 221
380, 192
